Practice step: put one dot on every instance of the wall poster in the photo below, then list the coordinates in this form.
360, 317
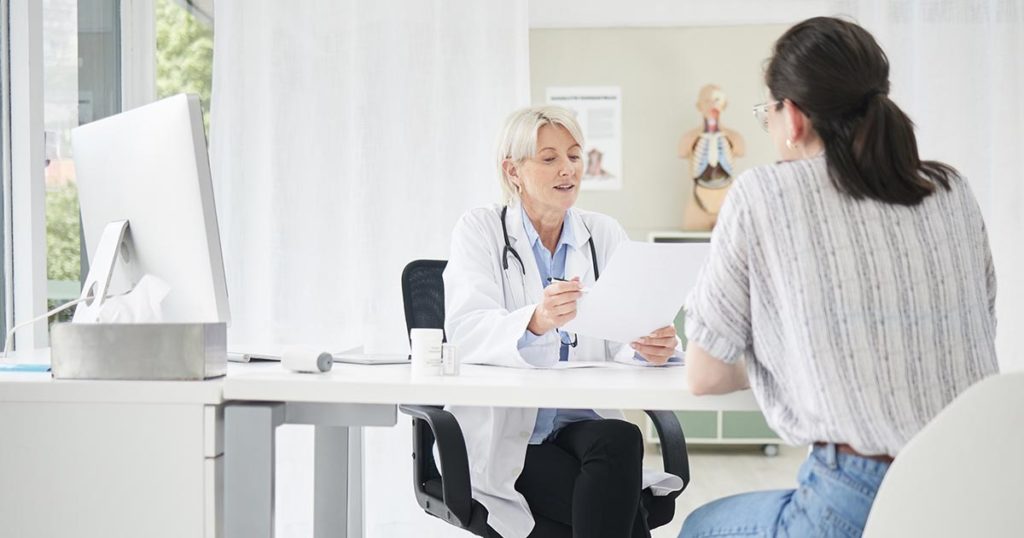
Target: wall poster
599, 111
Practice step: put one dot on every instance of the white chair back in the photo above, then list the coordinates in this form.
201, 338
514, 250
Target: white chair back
963, 474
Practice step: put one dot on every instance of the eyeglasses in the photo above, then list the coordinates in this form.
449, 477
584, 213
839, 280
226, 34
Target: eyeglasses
761, 112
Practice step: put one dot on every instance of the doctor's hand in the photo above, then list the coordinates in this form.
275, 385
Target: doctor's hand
658, 346
558, 306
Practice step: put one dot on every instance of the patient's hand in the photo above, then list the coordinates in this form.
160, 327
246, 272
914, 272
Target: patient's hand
658, 346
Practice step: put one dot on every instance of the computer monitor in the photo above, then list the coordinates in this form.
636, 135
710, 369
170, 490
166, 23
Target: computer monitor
149, 166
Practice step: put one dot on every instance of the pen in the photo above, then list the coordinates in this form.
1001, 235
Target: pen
556, 279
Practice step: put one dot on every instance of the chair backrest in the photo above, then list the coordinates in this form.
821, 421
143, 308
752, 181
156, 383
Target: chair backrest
962, 474
423, 297
423, 294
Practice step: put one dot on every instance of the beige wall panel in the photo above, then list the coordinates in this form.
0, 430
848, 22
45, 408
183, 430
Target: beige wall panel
660, 71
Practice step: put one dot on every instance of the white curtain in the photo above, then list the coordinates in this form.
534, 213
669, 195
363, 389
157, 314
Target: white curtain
957, 68
346, 139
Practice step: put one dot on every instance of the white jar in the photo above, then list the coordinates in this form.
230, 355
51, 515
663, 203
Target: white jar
426, 351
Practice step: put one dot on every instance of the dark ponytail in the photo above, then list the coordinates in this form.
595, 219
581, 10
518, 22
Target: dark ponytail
836, 73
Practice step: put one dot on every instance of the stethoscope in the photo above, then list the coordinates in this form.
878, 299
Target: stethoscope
509, 250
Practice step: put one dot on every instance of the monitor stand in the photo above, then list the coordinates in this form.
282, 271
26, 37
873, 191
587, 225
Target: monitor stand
85, 349
115, 243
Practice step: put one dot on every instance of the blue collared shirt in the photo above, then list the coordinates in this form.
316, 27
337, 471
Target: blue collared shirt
549, 421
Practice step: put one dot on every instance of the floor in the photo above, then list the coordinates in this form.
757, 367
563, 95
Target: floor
720, 471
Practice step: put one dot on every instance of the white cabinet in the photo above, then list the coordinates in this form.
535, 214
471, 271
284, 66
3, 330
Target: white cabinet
87, 459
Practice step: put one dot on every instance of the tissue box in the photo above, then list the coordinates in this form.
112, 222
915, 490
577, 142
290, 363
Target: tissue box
152, 351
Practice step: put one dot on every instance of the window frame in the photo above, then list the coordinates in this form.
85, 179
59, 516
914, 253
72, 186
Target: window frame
5, 166
138, 53
25, 227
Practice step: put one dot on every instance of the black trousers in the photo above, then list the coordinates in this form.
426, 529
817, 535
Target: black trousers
586, 482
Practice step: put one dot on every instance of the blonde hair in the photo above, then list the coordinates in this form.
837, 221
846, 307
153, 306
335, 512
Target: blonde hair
518, 140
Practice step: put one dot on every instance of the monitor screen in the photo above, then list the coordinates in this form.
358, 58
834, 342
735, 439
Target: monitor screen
150, 166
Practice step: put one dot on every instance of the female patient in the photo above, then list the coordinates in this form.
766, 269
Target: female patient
854, 277
515, 273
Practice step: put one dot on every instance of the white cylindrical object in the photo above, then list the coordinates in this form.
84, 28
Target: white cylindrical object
306, 360
426, 351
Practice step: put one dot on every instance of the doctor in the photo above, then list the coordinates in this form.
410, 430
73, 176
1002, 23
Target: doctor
513, 279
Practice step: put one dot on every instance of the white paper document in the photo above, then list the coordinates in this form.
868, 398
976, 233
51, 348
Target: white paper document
572, 365
641, 289
626, 363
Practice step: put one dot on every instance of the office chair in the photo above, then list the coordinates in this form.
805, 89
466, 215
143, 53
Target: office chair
447, 493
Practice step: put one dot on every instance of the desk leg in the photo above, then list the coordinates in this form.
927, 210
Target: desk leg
249, 468
356, 491
338, 482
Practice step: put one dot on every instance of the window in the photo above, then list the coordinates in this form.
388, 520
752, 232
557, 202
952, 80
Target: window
184, 51
64, 108
82, 82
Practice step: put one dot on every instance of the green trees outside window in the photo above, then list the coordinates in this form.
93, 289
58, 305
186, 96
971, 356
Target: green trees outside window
184, 54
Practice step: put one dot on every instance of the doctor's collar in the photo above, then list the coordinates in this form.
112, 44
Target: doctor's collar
567, 236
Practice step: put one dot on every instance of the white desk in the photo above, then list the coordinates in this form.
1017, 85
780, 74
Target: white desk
626, 387
172, 459
264, 396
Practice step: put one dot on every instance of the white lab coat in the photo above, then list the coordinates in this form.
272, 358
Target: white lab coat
487, 309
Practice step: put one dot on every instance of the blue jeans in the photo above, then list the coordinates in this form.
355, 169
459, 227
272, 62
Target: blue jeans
833, 499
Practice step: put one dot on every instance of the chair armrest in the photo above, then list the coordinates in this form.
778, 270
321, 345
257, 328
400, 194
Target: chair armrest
673, 446
454, 462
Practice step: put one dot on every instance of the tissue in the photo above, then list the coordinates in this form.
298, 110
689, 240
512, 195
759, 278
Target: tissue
140, 305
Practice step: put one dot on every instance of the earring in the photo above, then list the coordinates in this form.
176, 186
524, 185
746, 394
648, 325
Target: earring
789, 143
